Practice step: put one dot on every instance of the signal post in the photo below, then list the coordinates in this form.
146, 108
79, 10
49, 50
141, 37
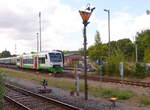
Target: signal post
85, 15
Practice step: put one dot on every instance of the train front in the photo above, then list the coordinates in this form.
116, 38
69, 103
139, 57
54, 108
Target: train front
56, 61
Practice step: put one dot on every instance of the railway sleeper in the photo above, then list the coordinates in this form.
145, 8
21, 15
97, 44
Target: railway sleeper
52, 107
43, 107
21, 98
16, 97
34, 105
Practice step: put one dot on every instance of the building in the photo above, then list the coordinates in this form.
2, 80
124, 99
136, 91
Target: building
69, 59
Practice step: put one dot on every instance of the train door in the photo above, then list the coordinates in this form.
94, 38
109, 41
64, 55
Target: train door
21, 62
35, 62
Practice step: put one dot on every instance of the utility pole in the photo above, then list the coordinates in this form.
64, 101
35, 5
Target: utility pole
108, 11
85, 17
40, 31
136, 53
15, 49
37, 42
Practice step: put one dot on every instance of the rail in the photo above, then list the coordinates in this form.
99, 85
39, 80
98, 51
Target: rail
95, 78
43, 98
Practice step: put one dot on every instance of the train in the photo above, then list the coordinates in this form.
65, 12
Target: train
52, 61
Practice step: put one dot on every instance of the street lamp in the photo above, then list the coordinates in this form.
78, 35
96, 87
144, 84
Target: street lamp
147, 12
85, 17
108, 11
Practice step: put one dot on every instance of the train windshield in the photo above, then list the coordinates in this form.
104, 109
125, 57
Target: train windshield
55, 57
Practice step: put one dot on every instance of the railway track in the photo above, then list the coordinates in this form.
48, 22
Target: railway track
94, 78
27, 100
113, 80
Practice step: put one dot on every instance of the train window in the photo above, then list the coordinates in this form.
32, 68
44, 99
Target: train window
42, 60
25, 61
55, 57
28, 61
18, 60
45, 56
31, 61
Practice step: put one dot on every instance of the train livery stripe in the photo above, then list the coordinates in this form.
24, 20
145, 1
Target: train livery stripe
44, 68
27, 66
51, 68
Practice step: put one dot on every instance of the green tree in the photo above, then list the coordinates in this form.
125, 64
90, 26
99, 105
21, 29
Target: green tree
143, 44
95, 51
147, 55
97, 39
5, 54
113, 47
126, 47
81, 51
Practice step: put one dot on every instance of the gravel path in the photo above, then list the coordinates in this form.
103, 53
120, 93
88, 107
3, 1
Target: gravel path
63, 95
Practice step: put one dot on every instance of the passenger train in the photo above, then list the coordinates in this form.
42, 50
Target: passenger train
52, 61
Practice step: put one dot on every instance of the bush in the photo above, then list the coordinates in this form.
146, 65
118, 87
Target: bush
106, 93
141, 70
122, 95
138, 70
110, 69
145, 101
125, 95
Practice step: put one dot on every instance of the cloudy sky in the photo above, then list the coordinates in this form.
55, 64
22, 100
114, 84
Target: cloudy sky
62, 24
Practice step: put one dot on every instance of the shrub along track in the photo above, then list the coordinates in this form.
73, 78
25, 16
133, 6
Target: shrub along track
27, 100
70, 74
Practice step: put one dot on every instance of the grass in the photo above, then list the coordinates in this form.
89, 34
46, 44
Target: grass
67, 85
107, 93
144, 100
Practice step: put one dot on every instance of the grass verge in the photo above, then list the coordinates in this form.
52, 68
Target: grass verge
144, 100
107, 93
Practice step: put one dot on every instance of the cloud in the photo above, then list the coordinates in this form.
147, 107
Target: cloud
61, 25
19, 24
123, 25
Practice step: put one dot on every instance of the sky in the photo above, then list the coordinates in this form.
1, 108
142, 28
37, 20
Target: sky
62, 25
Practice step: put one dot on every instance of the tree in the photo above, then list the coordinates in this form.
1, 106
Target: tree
113, 47
95, 51
97, 39
147, 55
81, 51
126, 47
143, 44
5, 54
